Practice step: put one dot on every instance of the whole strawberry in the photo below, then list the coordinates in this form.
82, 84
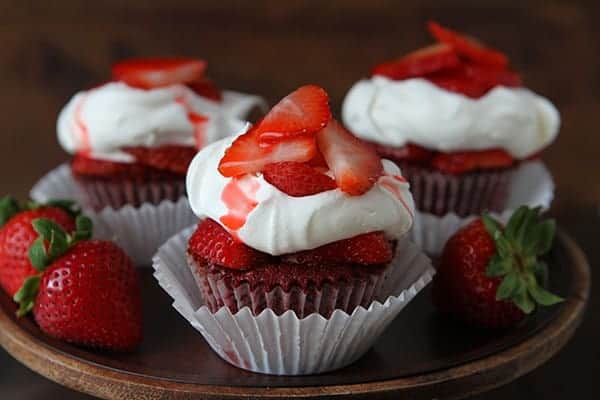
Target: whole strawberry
490, 275
87, 291
17, 235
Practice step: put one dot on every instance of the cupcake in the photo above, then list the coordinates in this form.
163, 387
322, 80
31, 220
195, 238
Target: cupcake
296, 214
133, 138
455, 117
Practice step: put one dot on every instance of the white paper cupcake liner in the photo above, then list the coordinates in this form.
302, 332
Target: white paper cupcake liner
139, 231
286, 344
531, 185
440, 193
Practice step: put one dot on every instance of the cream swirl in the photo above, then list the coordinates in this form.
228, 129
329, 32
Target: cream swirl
416, 111
269, 220
102, 120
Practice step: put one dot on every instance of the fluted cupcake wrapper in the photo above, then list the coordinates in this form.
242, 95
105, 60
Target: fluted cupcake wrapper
98, 194
286, 344
138, 230
439, 193
531, 184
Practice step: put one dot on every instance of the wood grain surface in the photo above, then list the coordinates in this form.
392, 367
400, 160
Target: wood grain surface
49, 50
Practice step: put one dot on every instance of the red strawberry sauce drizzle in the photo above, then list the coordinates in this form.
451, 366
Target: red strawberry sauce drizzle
240, 192
239, 198
198, 121
81, 128
395, 191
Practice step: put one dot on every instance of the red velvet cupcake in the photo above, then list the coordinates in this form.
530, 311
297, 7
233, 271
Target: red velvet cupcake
456, 119
297, 214
320, 281
133, 138
155, 175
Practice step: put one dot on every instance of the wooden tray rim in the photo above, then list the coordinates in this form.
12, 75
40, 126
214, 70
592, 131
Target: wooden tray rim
478, 376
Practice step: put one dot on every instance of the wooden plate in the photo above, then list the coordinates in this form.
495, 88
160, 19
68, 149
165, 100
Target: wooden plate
422, 355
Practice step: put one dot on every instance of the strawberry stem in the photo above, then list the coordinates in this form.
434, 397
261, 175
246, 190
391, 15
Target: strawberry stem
518, 246
52, 243
9, 207
25, 296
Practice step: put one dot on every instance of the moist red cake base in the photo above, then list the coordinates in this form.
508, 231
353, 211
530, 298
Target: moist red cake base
440, 193
302, 288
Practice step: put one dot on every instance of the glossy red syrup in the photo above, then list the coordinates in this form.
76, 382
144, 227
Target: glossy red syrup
239, 198
198, 121
399, 178
395, 190
81, 129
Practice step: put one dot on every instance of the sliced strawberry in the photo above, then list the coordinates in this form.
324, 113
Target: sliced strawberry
213, 243
408, 152
170, 158
247, 155
304, 111
458, 83
474, 80
509, 78
488, 77
467, 47
149, 73
466, 161
367, 249
355, 165
318, 162
297, 179
86, 166
206, 88
430, 59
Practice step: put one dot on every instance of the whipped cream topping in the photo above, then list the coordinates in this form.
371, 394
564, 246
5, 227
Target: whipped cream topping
102, 120
269, 220
416, 111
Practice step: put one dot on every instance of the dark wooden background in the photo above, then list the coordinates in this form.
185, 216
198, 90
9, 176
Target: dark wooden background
49, 50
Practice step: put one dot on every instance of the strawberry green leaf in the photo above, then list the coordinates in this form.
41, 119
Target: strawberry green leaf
58, 245
25, 296
540, 270
524, 302
503, 247
498, 266
69, 206
542, 296
45, 227
84, 227
37, 254
515, 222
8, 208
518, 246
544, 233
508, 286
32, 205
25, 307
530, 218
492, 226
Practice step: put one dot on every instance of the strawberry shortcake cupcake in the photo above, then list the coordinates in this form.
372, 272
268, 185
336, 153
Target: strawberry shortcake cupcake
296, 214
132, 138
455, 117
